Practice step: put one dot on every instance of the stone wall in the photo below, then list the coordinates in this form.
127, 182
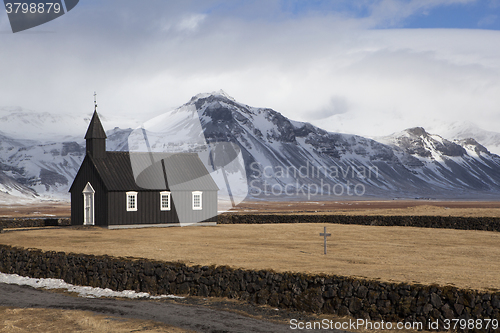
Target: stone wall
342, 296
449, 222
24, 222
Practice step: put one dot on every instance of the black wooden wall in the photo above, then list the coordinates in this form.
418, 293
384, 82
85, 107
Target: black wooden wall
87, 173
110, 207
148, 209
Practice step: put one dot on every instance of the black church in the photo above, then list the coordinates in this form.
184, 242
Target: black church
172, 189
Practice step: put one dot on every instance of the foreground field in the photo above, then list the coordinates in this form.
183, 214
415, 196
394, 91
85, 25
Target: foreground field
55, 320
466, 259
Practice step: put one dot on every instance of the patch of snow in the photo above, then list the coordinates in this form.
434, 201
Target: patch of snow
465, 130
89, 292
220, 92
437, 138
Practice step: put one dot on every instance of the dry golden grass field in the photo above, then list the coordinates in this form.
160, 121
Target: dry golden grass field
379, 207
45, 209
465, 259
366, 207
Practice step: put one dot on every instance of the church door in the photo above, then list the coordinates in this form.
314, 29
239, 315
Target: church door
88, 205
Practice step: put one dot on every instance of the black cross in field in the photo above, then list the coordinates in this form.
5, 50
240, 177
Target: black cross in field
324, 234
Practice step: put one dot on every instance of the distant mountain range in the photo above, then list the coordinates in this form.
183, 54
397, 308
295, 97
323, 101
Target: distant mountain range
283, 158
465, 130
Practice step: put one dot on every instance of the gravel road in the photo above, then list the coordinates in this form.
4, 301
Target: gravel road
196, 318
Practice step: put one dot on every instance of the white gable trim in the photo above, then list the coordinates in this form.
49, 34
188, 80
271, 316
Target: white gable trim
88, 189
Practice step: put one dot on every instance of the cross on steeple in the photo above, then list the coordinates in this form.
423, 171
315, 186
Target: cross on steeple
95, 103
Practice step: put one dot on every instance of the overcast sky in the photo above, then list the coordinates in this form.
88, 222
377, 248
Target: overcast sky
363, 67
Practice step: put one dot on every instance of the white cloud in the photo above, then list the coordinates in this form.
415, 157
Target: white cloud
337, 105
325, 68
191, 22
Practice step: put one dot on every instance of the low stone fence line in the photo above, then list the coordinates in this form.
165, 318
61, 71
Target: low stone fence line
337, 295
448, 222
27, 222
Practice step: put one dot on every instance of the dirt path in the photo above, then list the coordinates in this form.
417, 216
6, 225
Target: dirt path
43, 320
192, 318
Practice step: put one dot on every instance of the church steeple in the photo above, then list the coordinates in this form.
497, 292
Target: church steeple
96, 138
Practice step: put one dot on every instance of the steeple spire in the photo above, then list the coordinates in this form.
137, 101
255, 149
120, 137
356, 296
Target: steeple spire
95, 130
96, 137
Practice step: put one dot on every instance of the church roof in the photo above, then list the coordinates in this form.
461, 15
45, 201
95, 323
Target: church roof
154, 171
95, 130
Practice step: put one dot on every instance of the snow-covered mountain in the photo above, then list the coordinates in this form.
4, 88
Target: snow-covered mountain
461, 165
282, 158
41, 152
289, 158
24, 124
46, 169
465, 130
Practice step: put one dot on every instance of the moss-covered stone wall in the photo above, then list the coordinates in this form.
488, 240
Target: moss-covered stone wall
342, 296
25, 222
449, 222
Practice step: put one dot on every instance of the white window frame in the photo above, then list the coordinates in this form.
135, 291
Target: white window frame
194, 194
130, 195
167, 194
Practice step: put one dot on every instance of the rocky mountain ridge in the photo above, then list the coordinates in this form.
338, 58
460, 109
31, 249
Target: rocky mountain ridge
282, 158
